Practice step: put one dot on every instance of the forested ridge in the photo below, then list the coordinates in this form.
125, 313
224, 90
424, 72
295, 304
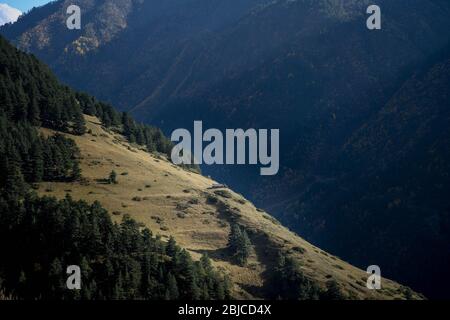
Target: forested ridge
117, 261
30, 93
30, 96
150, 137
40, 237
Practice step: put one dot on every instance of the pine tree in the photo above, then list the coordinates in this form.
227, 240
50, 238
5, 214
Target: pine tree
118, 293
76, 171
172, 287
21, 103
239, 244
333, 291
55, 276
171, 247
36, 162
6, 103
187, 278
34, 112
79, 127
106, 120
205, 262
140, 136
128, 126
113, 177
15, 185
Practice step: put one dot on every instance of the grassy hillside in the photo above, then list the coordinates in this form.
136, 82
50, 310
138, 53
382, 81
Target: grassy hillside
179, 203
118, 260
309, 67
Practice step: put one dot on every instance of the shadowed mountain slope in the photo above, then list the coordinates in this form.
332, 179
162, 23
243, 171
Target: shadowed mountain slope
310, 68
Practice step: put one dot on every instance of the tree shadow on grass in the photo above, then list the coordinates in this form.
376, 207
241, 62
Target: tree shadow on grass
221, 254
103, 181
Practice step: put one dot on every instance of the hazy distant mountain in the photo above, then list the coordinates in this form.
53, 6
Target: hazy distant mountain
390, 192
308, 67
8, 14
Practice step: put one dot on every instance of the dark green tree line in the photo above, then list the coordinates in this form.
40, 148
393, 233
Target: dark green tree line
29, 92
150, 137
118, 261
29, 157
289, 283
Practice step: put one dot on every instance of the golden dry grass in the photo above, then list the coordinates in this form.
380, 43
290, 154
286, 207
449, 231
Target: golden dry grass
173, 202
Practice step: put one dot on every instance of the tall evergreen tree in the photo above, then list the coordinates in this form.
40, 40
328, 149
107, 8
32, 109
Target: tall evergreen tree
79, 127
113, 177
239, 244
172, 287
36, 165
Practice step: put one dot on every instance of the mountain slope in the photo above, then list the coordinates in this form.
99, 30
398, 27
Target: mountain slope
74, 159
117, 261
179, 203
310, 68
400, 179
